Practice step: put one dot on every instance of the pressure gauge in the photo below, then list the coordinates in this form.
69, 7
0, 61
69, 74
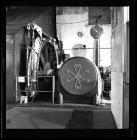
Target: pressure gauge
96, 31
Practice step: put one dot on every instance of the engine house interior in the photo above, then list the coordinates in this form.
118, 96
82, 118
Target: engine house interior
69, 56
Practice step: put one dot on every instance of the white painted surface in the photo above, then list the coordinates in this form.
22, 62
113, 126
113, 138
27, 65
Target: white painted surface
68, 34
21, 79
117, 97
99, 86
119, 71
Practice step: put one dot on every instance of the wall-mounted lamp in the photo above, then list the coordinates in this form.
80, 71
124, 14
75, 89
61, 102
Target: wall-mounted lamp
80, 34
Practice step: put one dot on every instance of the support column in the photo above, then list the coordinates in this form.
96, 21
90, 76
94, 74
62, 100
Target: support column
97, 52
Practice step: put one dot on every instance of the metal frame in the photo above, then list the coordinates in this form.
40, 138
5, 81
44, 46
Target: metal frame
53, 86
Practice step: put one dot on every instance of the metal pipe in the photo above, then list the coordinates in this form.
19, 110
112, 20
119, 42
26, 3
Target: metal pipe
35, 91
37, 76
96, 52
53, 88
16, 89
27, 67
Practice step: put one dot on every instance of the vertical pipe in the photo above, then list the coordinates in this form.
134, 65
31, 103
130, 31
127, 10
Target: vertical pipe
53, 88
15, 67
16, 88
94, 47
54, 14
27, 73
27, 59
96, 52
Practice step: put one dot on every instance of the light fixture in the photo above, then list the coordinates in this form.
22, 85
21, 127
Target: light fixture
80, 34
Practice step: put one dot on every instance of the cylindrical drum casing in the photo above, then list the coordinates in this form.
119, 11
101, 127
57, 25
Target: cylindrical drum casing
78, 77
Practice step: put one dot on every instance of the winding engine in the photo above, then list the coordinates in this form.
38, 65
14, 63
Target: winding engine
77, 80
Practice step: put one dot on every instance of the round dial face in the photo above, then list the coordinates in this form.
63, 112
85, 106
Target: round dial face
96, 31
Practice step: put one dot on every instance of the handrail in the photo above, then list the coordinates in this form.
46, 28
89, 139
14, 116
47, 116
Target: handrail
53, 86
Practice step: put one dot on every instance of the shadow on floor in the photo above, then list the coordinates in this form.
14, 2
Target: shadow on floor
91, 120
59, 118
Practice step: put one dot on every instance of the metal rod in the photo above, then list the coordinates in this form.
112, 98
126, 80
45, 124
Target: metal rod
30, 91
35, 76
78, 48
87, 48
27, 67
16, 88
96, 52
53, 88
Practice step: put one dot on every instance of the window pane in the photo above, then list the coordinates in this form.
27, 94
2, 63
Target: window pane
105, 39
105, 57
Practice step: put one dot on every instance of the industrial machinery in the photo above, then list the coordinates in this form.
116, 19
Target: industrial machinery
80, 81
41, 59
77, 80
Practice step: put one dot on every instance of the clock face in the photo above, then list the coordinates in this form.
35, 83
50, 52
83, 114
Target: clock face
96, 31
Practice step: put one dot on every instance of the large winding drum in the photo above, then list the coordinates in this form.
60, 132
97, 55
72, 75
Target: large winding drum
78, 77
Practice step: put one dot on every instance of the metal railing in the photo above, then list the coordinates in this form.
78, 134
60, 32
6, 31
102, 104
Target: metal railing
53, 86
